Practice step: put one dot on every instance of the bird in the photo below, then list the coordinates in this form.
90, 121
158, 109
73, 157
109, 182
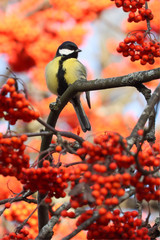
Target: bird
63, 71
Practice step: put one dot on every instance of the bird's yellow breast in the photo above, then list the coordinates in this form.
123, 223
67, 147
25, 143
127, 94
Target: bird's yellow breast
73, 70
51, 75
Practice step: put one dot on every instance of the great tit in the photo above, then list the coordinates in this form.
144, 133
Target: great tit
64, 70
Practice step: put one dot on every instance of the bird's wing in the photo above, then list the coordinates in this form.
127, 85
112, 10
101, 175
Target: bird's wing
76, 71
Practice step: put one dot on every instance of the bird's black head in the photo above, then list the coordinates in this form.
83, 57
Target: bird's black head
68, 49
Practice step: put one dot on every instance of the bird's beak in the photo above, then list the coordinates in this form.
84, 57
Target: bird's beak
78, 50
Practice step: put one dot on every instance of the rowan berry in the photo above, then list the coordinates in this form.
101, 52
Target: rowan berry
64, 213
48, 200
87, 174
113, 166
46, 163
74, 204
7, 205
95, 193
118, 3
71, 214
58, 148
102, 211
10, 81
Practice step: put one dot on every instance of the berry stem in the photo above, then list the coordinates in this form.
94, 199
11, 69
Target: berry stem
147, 20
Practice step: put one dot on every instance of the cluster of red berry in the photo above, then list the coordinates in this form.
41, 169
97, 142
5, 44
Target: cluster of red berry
147, 189
99, 172
12, 157
136, 8
22, 235
18, 213
114, 225
48, 179
143, 15
14, 105
101, 185
150, 158
139, 47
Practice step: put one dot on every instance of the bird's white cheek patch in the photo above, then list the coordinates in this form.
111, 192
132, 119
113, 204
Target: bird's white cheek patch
65, 51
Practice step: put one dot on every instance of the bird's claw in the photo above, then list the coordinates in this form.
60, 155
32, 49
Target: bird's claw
55, 105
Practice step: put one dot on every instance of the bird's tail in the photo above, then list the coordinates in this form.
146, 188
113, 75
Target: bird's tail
82, 117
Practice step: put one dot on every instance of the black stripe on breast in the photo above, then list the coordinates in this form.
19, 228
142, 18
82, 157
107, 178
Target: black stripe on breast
62, 84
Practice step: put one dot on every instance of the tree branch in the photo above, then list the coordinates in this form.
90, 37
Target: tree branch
47, 231
130, 80
95, 216
144, 116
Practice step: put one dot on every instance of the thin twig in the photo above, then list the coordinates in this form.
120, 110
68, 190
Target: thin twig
147, 20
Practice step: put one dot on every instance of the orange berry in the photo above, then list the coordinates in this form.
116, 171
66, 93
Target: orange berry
115, 201
74, 204
113, 191
19, 104
46, 163
64, 213
84, 167
113, 166
140, 132
87, 145
5, 89
109, 215
81, 151
36, 115
99, 201
58, 148
95, 193
48, 200
12, 89
7, 205
102, 211
104, 191
101, 180
23, 137
120, 192
10, 81
71, 214
96, 186
87, 174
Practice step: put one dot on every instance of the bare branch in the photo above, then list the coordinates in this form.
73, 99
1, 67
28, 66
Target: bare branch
82, 226
47, 231
144, 116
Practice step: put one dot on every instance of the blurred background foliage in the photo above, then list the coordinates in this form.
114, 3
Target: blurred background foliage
31, 31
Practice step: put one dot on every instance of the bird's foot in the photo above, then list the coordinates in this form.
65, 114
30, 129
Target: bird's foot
55, 105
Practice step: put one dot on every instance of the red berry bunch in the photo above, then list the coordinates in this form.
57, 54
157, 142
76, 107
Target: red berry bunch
142, 15
139, 46
22, 235
70, 214
14, 105
99, 173
104, 178
112, 225
12, 157
18, 213
147, 189
48, 179
136, 8
150, 157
